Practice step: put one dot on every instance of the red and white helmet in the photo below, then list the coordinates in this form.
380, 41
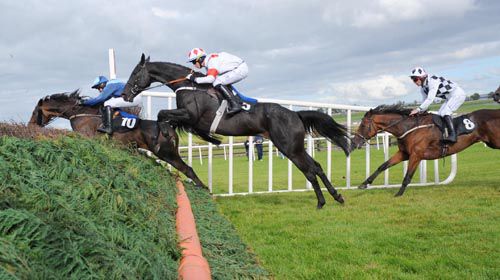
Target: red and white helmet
195, 54
418, 72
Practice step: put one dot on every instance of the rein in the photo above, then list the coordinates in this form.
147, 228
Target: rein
166, 83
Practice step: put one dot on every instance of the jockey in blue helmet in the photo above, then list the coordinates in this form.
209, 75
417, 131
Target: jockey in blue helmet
110, 92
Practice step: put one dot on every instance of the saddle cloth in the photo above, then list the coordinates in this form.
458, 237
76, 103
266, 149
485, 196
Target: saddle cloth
463, 124
123, 121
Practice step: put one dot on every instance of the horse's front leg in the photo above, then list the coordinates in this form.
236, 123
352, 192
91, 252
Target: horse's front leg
412, 167
167, 118
395, 159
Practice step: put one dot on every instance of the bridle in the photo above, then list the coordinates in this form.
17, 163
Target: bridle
365, 140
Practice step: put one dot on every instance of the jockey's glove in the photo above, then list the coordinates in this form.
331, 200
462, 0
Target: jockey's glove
191, 77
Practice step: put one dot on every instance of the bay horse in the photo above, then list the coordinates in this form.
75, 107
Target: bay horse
420, 139
496, 95
196, 109
86, 120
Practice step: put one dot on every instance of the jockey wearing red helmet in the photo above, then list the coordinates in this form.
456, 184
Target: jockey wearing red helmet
223, 69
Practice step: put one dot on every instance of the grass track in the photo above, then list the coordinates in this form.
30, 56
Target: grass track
446, 232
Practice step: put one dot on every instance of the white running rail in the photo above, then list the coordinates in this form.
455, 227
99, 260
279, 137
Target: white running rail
292, 105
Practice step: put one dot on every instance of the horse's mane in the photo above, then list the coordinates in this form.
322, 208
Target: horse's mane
64, 96
391, 109
173, 67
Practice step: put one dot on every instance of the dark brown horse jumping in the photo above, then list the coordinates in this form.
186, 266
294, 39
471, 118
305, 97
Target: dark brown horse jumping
420, 139
86, 120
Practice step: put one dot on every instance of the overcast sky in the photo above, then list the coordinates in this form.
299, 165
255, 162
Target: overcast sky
346, 52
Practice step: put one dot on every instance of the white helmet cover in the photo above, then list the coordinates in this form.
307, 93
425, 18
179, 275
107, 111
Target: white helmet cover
418, 72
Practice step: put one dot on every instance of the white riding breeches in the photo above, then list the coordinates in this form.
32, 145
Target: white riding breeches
233, 76
119, 102
455, 100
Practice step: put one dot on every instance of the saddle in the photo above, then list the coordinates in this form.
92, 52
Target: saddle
463, 124
124, 122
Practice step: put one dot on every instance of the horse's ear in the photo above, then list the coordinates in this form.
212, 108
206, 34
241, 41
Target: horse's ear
147, 59
143, 58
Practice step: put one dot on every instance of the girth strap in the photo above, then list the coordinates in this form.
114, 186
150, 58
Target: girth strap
84, 115
218, 116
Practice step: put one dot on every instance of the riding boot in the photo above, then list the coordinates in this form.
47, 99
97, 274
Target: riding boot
234, 106
106, 121
452, 135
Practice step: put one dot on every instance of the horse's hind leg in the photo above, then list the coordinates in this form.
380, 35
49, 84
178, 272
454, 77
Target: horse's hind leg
309, 168
395, 159
412, 167
338, 197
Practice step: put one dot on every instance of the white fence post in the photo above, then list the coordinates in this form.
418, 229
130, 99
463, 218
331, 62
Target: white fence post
270, 168
112, 64
348, 158
230, 164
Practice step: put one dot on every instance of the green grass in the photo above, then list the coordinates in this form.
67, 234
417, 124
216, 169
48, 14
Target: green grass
442, 232
227, 255
74, 208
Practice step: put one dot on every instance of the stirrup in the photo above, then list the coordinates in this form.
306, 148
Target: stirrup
107, 130
233, 111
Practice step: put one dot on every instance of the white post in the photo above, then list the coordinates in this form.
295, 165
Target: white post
423, 171
367, 159
148, 108
190, 149
169, 102
385, 143
200, 156
230, 164
112, 64
329, 154
210, 168
270, 169
290, 183
348, 159
251, 157
436, 171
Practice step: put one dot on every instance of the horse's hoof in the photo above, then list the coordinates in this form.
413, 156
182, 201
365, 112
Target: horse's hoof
339, 199
202, 187
320, 206
398, 194
363, 186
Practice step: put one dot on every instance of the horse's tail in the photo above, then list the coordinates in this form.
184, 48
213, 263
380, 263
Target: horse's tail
327, 127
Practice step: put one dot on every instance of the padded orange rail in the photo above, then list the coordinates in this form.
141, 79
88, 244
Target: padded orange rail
193, 265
